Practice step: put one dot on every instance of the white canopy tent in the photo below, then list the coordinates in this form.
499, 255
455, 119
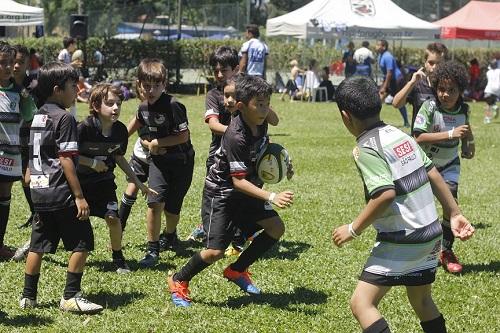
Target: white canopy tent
13, 14
368, 19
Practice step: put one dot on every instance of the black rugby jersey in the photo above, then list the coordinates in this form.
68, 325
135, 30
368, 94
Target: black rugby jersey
53, 133
165, 117
215, 109
92, 144
418, 95
236, 157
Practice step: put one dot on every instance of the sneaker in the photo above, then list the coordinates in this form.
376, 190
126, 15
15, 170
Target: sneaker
5, 253
450, 262
179, 291
198, 234
27, 303
22, 252
121, 266
233, 250
79, 304
150, 259
168, 241
242, 280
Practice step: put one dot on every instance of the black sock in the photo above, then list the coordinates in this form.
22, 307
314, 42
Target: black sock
436, 325
73, 284
117, 254
30, 285
4, 216
380, 326
254, 251
189, 270
154, 247
448, 237
238, 239
125, 208
27, 195
171, 235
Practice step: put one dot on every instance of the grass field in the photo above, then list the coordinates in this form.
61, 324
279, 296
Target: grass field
306, 281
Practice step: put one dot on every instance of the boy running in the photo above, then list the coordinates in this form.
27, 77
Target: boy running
399, 181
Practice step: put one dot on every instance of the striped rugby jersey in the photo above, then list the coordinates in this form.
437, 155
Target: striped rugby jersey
53, 133
13, 109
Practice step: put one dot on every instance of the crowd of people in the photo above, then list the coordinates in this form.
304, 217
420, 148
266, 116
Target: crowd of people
67, 169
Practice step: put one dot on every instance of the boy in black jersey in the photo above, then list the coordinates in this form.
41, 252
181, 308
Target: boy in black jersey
102, 142
172, 155
233, 195
62, 211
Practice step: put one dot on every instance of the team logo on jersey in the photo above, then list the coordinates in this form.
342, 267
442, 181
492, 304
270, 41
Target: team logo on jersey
40, 120
159, 118
363, 7
420, 120
403, 149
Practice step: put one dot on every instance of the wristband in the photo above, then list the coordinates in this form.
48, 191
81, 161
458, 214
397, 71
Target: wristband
94, 163
271, 197
450, 133
352, 232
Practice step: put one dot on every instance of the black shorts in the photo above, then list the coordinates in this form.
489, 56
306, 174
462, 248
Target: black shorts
25, 159
140, 168
222, 216
101, 198
9, 179
171, 178
420, 278
49, 227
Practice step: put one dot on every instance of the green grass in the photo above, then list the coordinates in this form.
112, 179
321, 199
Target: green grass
306, 281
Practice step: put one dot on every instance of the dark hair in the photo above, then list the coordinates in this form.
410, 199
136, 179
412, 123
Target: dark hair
22, 50
312, 63
358, 95
151, 70
474, 61
67, 41
450, 70
249, 86
326, 69
51, 75
253, 29
7, 48
384, 44
224, 56
437, 48
365, 43
99, 93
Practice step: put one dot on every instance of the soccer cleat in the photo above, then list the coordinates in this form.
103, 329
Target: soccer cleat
27, 303
121, 266
179, 291
6, 253
168, 241
450, 262
242, 280
21, 252
150, 259
79, 304
198, 234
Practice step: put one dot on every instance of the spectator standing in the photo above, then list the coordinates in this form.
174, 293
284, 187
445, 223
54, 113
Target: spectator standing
348, 60
253, 53
364, 59
64, 56
492, 92
36, 62
474, 73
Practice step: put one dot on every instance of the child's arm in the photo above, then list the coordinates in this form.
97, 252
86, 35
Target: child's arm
96, 165
374, 208
459, 132
133, 126
215, 126
400, 98
168, 141
282, 199
272, 118
468, 147
460, 226
123, 164
70, 173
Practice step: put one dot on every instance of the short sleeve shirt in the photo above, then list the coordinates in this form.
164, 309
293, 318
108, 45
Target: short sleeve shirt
92, 144
53, 133
420, 93
387, 62
256, 51
64, 56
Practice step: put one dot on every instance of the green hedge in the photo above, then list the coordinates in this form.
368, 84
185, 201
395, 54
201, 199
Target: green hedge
122, 56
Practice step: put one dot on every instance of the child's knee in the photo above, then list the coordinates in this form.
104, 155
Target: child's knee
212, 255
112, 221
355, 305
274, 228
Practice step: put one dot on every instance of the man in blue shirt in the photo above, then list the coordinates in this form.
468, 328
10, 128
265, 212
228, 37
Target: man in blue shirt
393, 77
253, 53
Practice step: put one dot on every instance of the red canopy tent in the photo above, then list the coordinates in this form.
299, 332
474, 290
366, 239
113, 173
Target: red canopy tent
476, 20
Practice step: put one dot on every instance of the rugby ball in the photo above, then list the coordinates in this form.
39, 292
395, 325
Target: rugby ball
272, 163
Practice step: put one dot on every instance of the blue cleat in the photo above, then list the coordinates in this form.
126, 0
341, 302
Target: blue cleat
242, 280
180, 292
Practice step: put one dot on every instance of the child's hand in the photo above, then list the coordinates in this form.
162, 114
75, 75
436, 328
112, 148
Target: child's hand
100, 166
289, 170
468, 149
461, 227
146, 190
283, 199
153, 146
83, 209
418, 75
460, 132
341, 235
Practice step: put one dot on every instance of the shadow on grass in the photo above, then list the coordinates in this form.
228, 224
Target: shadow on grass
482, 225
108, 266
114, 301
184, 249
493, 267
279, 134
287, 250
24, 320
287, 301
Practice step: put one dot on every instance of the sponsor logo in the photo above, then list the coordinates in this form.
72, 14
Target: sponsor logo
7, 162
363, 7
420, 120
451, 120
40, 120
436, 128
403, 149
112, 149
